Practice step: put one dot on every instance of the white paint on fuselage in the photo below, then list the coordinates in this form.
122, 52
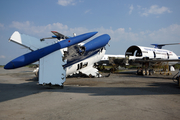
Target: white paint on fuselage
152, 53
91, 60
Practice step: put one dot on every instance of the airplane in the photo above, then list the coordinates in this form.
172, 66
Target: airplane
67, 56
147, 57
143, 57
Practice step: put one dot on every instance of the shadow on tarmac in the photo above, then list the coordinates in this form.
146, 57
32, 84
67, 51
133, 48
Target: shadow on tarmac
13, 91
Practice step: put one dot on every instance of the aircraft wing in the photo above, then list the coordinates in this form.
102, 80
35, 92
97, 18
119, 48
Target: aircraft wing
27, 41
112, 59
157, 60
59, 35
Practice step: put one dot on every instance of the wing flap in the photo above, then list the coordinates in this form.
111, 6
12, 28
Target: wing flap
51, 70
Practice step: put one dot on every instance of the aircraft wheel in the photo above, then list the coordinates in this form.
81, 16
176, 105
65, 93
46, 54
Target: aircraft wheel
150, 72
143, 72
147, 72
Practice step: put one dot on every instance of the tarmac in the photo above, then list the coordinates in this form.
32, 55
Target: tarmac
125, 96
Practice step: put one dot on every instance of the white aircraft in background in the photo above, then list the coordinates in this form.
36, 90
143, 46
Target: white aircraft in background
144, 57
148, 57
67, 56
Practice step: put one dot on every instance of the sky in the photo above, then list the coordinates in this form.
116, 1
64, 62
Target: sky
128, 22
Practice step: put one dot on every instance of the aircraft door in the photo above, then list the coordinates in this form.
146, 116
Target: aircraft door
167, 55
154, 54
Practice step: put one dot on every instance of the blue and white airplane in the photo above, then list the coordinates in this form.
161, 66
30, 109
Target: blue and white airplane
67, 56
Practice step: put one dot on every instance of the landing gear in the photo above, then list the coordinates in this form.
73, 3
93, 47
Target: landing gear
147, 72
151, 72
144, 72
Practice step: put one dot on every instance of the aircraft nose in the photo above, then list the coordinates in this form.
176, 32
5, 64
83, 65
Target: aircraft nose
10, 65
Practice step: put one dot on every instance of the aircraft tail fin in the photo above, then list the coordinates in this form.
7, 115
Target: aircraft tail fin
159, 46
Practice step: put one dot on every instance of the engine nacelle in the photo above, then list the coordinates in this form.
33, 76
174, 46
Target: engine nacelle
96, 43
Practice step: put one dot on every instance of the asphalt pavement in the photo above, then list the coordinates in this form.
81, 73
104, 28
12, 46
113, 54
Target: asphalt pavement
125, 96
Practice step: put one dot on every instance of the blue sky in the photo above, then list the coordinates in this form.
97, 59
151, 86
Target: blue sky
128, 22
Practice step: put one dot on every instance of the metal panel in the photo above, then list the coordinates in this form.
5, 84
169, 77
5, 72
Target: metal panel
51, 70
27, 41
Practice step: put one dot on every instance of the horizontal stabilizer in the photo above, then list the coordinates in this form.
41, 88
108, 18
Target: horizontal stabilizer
51, 70
159, 46
27, 41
